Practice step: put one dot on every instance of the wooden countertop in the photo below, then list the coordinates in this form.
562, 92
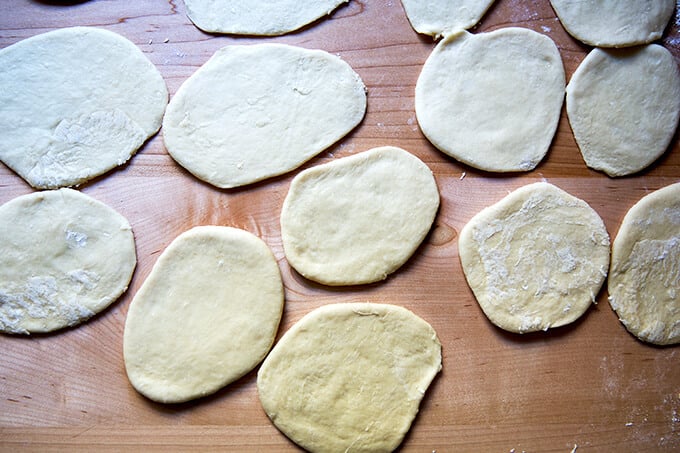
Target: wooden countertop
589, 386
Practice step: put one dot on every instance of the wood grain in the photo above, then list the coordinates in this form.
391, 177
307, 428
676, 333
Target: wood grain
590, 384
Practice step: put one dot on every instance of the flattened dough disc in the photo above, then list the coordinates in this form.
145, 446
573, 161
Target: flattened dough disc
253, 112
64, 257
614, 23
349, 377
492, 100
206, 315
247, 17
357, 219
536, 259
623, 106
439, 17
75, 103
644, 280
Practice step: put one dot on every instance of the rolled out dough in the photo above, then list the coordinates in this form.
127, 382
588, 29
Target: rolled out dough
247, 17
644, 280
536, 259
439, 17
253, 112
357, 219
349, 377
614, 23
206, 315
492, 100
623, 107
75, 103
64, 257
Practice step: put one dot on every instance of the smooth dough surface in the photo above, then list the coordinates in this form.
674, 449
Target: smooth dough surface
357, 219
206, 315
623, 107
64, 257
614, 23
644, 279
75, 103
253, 112
439, 17
535, 259
349, 377
492, 100
245, 17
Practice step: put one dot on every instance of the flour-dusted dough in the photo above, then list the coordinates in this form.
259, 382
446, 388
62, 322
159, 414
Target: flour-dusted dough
247, 17
644, 279
623, 107
492, 100
350, 377
536, 259
253, 112
64, 257
75, 103
439, 17
357, 219
206, 315
614, 23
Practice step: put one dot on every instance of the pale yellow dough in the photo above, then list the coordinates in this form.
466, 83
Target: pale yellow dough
644, 280
492, 100
535, 259
64, 257
439, 17
206, 315
624, 106
357, 219
614, 23
253, 112
74, 104
350, 377
247, 17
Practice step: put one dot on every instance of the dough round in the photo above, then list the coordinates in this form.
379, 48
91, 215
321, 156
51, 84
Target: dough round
206, 315
536, 259
357, 219
614, 23
644, 280
439, 17
64, 257
350, 377
246, 17
492, 100
75, 103
623, 106
253, 112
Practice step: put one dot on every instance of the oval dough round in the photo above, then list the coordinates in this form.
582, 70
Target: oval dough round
246, 17
439, 17
492, 100
623, 107
75, 103
64, 257
614, 23
535, 259
206, 315
349, 377
253, 112
357, 219
644, 279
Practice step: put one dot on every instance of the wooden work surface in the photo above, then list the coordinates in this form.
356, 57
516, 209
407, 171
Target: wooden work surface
590, 385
